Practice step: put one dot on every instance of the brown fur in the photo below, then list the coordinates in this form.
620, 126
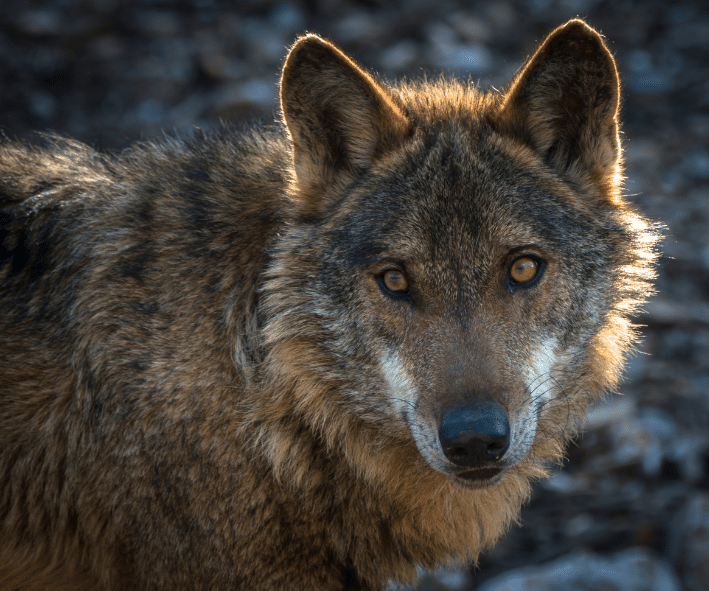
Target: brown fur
204, 383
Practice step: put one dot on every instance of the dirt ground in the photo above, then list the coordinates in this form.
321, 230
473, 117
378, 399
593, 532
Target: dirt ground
630, 508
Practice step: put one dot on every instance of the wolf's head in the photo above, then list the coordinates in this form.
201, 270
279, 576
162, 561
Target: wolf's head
459, 267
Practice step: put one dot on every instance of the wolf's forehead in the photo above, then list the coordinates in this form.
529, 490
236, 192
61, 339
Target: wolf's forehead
460, 190
466, 184
461, 169
433, 226
454, 191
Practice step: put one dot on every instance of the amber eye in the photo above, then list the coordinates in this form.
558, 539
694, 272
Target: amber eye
395, 281
524, 269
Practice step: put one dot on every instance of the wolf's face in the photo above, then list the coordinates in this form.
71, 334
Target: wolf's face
465, 289
459, 266
476, 282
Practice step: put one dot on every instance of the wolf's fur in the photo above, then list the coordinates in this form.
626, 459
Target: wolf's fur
205, 382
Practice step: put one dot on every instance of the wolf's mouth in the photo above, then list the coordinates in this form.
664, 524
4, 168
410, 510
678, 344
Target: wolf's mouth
481, 478
473, 479
480, 475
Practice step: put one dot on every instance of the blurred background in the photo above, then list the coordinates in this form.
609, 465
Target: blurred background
630, 508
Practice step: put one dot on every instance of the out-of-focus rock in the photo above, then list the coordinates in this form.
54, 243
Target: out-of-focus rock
635, 569
690, 542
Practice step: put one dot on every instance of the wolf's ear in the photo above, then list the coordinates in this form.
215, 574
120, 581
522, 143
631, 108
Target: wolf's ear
565, 102
339, 118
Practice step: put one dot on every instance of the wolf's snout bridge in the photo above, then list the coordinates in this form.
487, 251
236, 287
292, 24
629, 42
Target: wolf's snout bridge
475, 435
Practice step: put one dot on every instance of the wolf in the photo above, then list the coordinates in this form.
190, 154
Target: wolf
315, 355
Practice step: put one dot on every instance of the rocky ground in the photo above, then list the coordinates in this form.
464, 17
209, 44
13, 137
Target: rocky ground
630, 508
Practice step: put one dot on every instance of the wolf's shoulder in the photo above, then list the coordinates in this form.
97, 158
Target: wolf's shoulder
197, 200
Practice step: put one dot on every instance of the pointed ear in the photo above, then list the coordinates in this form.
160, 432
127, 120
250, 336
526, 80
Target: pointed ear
339, 119
565, 102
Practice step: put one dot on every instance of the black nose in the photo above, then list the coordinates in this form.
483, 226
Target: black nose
475, 435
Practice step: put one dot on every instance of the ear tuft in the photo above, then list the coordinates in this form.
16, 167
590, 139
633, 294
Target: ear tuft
340, 119
565, 102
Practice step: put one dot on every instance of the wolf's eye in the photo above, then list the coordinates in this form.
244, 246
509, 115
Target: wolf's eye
395, 281
524, 270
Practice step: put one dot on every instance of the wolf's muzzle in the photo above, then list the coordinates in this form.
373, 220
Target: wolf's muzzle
475, 435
